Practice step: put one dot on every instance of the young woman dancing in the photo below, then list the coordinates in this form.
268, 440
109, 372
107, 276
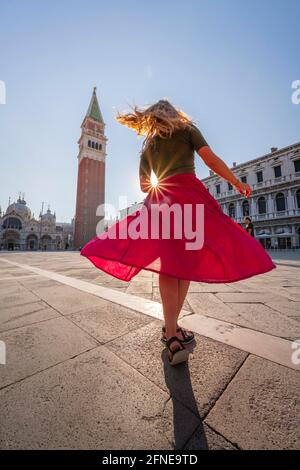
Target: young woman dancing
226, 252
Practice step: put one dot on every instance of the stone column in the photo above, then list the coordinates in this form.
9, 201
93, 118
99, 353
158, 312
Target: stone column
294, 237
273, 237
290, 202
270, 206
252, 207
238, 210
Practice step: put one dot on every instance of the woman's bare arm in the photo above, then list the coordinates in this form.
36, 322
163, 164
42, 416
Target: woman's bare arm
218, 166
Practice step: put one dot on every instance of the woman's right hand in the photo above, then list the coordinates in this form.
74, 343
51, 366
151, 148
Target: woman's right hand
243, 188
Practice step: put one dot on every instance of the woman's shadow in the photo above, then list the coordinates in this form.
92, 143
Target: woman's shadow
186, 418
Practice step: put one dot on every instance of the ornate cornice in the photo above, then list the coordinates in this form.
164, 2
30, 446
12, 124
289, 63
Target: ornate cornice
263, 158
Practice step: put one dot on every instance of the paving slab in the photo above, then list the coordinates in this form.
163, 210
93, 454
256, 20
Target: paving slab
205, 438
140, 287
108, 320
15, 295
35, 282
270, 347
11, 287
260, 409
209, 287
66, 299
291, 293
263, 318
21, 315
247, 297
211, 366
35, 347
209, 304
285, 306
94, 401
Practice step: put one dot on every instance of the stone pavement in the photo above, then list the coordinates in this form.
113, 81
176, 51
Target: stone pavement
85, 368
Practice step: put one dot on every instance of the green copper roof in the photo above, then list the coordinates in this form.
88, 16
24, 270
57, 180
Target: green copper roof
94, 108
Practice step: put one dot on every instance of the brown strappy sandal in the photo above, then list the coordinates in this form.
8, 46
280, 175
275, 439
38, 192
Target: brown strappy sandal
180, 354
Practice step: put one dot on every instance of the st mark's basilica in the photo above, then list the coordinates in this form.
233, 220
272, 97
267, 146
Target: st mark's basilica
20, 230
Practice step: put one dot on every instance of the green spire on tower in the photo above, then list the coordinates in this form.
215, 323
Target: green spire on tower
94, 108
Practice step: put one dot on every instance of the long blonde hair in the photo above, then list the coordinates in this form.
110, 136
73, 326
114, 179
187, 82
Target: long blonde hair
159, 119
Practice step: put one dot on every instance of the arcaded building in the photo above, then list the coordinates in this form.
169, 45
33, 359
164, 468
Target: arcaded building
274, 205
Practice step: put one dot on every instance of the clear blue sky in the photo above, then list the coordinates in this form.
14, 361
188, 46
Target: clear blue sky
228, 63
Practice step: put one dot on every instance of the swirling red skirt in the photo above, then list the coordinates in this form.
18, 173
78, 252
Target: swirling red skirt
180, 231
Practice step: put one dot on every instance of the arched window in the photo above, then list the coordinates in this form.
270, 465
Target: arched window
298, 198
280, 202
12, 222
262, 205
231, 210
89, 143
245, 208
100, 146
96, 146
93, 145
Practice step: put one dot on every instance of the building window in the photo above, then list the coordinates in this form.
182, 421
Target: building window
231, 210
280, 202
218, 189
298, 198
100, 146
277, 171
93, 145
297, 165
244, 179
96, 146
12, 222
229, 186
262, 205
259, 175
89, 143
245, 207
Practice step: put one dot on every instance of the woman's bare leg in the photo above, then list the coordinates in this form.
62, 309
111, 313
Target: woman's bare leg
183, 290
169, 292
173, 293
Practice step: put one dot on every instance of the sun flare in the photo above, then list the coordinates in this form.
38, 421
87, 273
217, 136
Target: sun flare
153, 180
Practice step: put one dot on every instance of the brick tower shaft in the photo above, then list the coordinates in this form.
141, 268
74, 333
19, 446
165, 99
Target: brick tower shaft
91, 174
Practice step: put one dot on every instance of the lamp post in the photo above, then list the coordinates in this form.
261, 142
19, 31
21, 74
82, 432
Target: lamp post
41, 213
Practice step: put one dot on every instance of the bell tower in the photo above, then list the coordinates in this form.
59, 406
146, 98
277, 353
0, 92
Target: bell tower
91, 173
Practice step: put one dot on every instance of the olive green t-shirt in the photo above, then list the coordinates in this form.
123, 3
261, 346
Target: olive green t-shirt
172, 155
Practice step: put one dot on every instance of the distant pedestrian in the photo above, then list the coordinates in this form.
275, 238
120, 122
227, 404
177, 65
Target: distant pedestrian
249, 226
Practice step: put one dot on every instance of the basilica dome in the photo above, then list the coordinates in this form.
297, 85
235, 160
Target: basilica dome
48, 216
19, 208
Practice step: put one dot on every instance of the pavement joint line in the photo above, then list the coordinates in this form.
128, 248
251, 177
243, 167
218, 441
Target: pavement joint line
60, 314
260, 344
49, 367
234, 444
15, 278
232, 377
37, 322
